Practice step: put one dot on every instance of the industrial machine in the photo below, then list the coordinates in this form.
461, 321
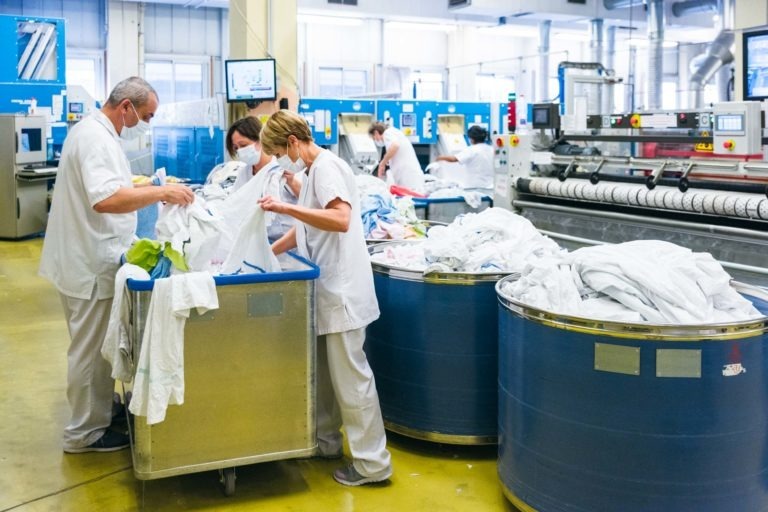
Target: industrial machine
32, 71
416, 119
693, 178
453, 121
342, 126
187, 139
24, 176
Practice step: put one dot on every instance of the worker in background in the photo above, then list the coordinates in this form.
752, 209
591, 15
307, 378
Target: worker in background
243, 143
477, 158
330, 233
91, 224
404, 167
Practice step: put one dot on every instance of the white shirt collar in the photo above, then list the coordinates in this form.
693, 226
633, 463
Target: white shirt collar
102, 119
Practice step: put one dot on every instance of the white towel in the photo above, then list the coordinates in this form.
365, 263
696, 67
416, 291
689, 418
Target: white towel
117, 347
160, 369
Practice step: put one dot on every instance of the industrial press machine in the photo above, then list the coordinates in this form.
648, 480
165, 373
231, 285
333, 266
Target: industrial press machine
695, 178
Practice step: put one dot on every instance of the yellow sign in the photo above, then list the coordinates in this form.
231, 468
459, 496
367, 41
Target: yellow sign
703, 147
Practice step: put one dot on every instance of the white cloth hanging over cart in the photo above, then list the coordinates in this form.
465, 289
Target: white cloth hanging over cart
160, 370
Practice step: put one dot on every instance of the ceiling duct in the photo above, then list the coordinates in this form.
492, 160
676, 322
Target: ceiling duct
680, 9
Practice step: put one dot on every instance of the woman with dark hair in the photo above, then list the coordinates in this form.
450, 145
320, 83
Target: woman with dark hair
243, 142
477, 158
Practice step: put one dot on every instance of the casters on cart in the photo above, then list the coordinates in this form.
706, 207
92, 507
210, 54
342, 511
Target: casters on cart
227, 478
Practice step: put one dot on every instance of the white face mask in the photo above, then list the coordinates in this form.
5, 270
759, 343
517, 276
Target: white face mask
249, 155
379, 143
137, 130
289, 165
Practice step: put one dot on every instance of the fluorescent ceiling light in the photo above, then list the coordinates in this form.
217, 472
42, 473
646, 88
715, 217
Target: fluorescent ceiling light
407, 25
316, 19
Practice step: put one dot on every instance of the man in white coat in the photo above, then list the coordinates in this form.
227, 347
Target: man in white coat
91, 224
400, 156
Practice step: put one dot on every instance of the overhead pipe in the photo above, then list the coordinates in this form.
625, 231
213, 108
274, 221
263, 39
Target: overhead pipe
655, 52
629, 90
596, 52
717, 55
544, 34
687, 7
610, 64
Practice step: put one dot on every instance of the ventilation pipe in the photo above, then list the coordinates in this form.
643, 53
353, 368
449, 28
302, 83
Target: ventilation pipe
629, 90
655, 52
610, 64
543, 89
596, 52
680, 9
704, 66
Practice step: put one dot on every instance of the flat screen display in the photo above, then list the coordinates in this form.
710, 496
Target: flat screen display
407, 120
31, 140
250, 80
540, 115
756, 65
729, 122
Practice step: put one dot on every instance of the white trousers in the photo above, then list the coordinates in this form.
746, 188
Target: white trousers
89, 384
346, 392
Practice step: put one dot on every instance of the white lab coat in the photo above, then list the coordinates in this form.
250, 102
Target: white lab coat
404, 167
275, 186
82, 247
478, 160
346, 298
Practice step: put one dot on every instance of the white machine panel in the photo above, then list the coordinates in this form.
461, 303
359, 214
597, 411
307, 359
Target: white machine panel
737, 128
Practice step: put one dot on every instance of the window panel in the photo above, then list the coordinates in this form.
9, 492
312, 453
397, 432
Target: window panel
83, 72
188, 81
160, 75
330, 82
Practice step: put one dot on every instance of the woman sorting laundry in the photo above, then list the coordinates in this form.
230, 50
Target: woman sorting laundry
329, 232
243, 144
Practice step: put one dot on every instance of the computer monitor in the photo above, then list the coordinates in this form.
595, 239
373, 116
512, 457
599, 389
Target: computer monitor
250, 80
755, 65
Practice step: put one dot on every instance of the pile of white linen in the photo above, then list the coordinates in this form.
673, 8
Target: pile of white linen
639, 281
494, 240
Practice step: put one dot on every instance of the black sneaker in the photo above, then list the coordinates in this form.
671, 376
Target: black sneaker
111, 441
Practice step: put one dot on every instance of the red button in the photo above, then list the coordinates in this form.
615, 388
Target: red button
727, 144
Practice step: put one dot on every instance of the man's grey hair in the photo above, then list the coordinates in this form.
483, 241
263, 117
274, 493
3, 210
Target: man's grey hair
133, 88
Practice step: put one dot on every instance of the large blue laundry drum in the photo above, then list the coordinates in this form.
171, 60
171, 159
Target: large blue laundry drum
434, 353
597, 416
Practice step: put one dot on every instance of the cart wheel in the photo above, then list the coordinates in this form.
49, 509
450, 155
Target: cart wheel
228, 480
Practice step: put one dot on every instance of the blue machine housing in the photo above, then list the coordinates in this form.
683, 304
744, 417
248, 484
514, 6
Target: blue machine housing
187, 152
17, 93
416, 119
474, 113
322, 114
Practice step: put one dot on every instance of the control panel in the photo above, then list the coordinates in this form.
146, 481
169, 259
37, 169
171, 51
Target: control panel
658, 121
416, 119
512, 156
737, 128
